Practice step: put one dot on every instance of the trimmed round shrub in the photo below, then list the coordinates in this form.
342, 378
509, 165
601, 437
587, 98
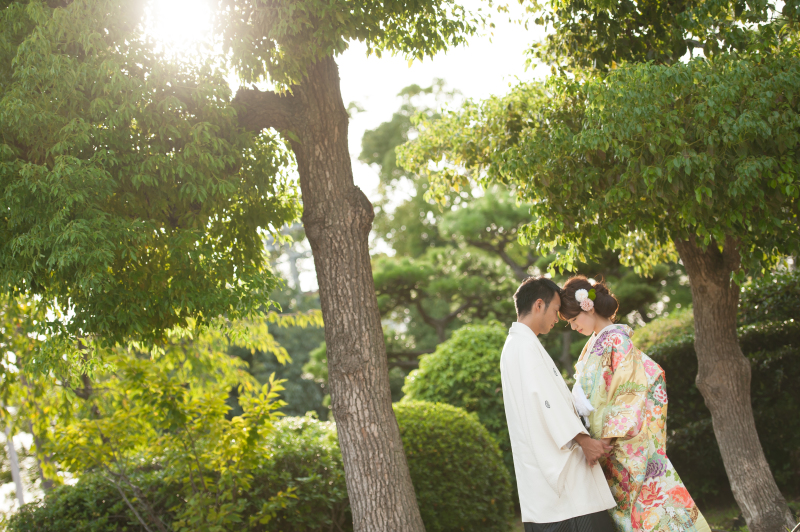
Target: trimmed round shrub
773, 350
305, 456
456, 467
464, 371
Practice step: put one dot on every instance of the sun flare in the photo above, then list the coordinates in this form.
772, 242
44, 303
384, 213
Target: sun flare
180, 25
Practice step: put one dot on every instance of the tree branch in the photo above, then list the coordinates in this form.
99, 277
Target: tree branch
520, 272
424, 315
130, 506
260, 110
464, 306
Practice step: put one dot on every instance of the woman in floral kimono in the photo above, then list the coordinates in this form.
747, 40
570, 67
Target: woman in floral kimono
622, 395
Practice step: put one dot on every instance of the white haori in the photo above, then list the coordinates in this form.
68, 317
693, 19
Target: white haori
554, 479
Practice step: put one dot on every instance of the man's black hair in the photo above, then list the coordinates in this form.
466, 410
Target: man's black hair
530, 290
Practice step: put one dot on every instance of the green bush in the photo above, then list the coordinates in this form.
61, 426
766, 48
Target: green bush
305, 456
773, 350
464, 371
91, 505
456, 467
457, 470
772, 298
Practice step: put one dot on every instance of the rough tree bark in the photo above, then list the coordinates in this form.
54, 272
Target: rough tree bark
337, 218
723, 377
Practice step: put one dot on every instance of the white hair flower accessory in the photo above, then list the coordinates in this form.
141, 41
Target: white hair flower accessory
585, 298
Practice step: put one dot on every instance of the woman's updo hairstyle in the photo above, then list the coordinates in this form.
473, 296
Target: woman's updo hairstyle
605, 304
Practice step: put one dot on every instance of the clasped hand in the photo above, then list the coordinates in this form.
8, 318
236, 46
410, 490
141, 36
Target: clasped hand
593, 449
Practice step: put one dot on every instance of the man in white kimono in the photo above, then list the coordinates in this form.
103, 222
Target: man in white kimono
561, 486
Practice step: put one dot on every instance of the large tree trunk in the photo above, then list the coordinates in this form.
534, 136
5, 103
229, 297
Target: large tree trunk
337, 218
723, 377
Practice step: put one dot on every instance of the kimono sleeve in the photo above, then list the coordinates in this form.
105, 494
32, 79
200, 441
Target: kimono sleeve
548, 422
626, 381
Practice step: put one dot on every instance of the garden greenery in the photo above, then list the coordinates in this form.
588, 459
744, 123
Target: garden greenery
773, 350
293, 481
464, 371
456, 467
647, 154
135, 201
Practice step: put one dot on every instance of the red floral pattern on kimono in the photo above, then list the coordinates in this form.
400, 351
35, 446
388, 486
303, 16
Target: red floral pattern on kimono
629, 394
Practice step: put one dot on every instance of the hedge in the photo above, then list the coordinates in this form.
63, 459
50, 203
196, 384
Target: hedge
464, 371
456, 467
773, 350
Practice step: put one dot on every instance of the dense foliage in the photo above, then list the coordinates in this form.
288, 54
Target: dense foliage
459, 263
704, 149
303, 454
301, 393
773, 350
595, 35
296, 482
91, 505
300, 456
159, 415
136, 198
456, 467
676, 324
774, 297
445, 284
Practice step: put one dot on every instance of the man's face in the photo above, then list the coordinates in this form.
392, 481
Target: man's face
550, 315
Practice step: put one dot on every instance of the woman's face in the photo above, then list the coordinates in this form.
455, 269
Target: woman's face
583, 322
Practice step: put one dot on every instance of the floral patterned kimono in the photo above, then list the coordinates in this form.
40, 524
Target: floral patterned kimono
628, 392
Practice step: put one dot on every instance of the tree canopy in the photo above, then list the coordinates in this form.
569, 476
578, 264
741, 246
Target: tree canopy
133, 198
704, 149
593, 36
475, 232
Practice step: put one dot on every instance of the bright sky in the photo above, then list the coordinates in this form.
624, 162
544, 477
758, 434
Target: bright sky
485, 66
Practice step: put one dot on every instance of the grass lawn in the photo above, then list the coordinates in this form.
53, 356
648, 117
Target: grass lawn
724, 517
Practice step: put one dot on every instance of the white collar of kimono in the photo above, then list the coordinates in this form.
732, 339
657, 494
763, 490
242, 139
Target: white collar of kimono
521, 328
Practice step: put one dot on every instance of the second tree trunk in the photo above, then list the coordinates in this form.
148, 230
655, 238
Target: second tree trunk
723, 378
